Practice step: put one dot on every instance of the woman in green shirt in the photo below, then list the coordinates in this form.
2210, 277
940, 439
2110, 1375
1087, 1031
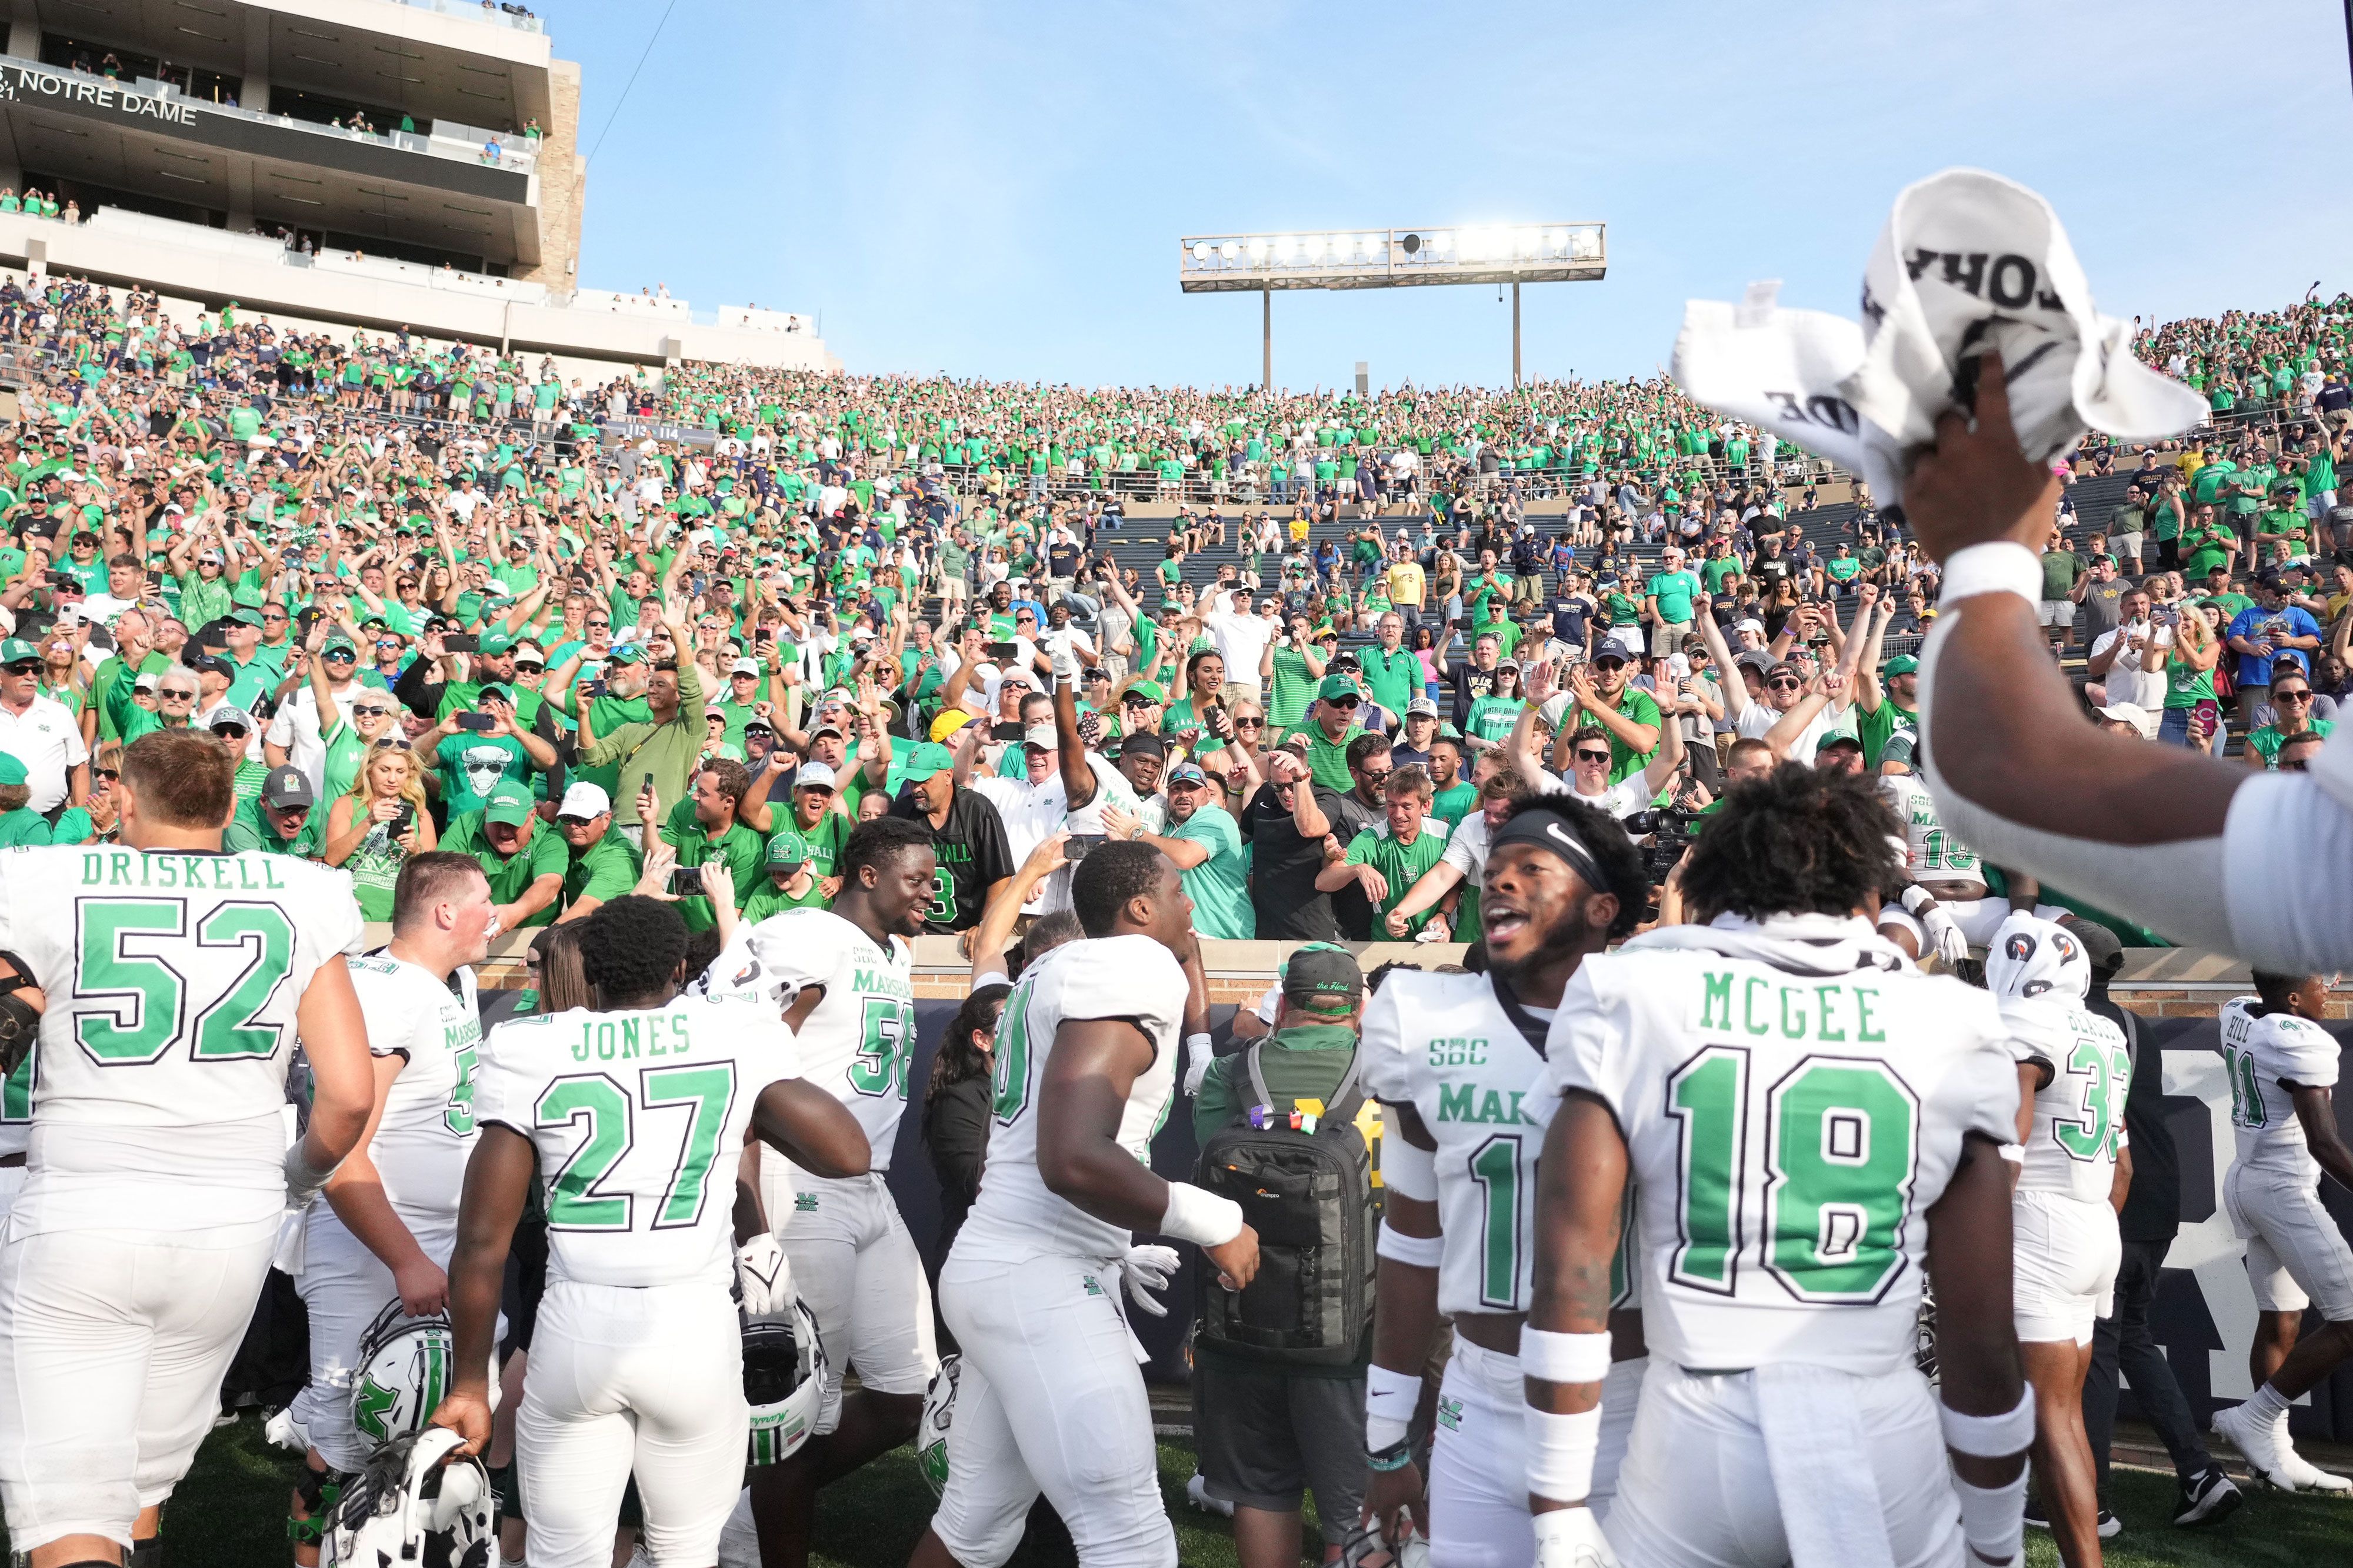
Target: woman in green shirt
2192, 716
1491, 717
360, 836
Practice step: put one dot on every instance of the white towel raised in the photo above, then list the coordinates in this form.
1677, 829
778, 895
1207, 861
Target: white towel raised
1967, 261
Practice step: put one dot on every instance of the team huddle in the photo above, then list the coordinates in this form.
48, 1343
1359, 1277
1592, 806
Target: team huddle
1679, 1199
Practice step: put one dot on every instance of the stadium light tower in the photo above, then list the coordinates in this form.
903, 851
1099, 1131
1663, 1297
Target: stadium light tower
1390, 259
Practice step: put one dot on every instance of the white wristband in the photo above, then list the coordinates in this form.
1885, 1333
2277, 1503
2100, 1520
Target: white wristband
1417, 1251
1200, 1217
1390, 1398
1563, 1358
1993, 1520
1990, 1437
1561, 1451
1916, 898
2000, 568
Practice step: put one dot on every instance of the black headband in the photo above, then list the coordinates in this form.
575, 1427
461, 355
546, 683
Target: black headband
1549, 830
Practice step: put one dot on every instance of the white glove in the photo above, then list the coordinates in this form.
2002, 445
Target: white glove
1199, 1056
1572, 1538
1945, 933
1146, 1269
765, 1277
1066, 662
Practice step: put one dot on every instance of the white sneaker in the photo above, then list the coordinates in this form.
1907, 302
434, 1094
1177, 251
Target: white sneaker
2259, 1443
1197, 1492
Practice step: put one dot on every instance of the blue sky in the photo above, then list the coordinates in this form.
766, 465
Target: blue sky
997, 191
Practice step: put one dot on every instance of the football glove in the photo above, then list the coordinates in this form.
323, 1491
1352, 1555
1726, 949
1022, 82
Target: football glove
1944, 934
764, 1277
1146, 1269
1572, 1538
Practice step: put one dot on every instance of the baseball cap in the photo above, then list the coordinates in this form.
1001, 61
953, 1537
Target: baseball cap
16, 650
1421, 707
1144, 691
288, 786
1321, 978
1902, 664
1184, 773
926, 759
1827, 742
833, 729
496, 643
2134, 714
626, 653
338, 645
508, 804
143, 681
225, 714
745, 667
245, 617
492, 692
1041, 736
12, 770
814, 776
787, 847
585, 802
1335, 686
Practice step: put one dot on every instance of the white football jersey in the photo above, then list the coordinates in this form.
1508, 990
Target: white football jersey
173, 980
637, 1118
858, 1040
1931, 854
426, 1133
2079, 1115
2259, 1051
1131, 977
1788, 1132
1443, 1045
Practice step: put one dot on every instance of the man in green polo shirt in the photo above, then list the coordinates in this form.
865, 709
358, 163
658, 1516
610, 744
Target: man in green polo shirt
20, 824
252, 676
1331, 725
1206, 844
525, 862
790, 882
603, 864
1386, 865
283, 818
703, 827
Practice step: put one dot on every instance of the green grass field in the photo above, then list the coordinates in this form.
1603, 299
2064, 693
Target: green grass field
230, 1513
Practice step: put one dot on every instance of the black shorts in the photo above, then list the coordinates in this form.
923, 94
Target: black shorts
1267, 1437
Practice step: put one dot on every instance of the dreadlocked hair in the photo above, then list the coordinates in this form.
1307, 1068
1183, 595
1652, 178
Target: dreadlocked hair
1795, 841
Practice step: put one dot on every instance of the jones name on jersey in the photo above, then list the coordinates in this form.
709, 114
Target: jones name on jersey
637, 1118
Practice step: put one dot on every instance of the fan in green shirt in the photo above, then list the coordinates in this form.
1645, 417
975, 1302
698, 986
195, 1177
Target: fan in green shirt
524, 860
1386, 865
790, 881
703, 828
1205, 842
286, 817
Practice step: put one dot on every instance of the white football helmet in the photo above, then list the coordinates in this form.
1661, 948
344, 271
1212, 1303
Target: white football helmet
403, 1372
416, 1503
939, 1414
784, 1380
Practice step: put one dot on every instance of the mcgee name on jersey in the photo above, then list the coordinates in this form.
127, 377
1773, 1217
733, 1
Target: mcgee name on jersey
1811, 1010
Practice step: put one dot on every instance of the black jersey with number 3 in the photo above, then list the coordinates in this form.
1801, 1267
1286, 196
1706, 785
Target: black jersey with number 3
973, 857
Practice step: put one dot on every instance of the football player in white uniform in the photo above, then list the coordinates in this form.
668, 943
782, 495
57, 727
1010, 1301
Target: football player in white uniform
630, 1117
1453, 1058
390, 1220
1085, 1072
2283, 1068
1940, 865
1804, 1118
2073, 1069
173, 980
843, 980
